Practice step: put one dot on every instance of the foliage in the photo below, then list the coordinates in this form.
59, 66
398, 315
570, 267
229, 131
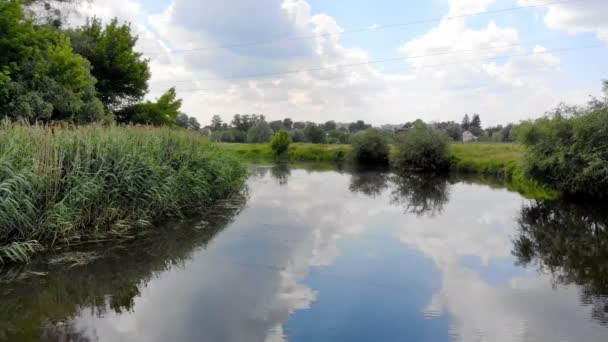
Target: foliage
422, 149
568, 150
280, 142
122, 74
314, 134
297, 152
259, 133
216, 123
41, 78
187, 122
245, 122
229, 136
162, 112
370, 148
358, 126
58, 185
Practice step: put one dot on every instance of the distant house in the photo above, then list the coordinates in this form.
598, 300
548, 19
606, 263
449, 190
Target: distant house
468, 137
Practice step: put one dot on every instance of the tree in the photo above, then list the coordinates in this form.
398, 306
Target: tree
162, 112
122, 74
41, 78
358, 126
371, 148
466, 123
182, 120
299, 125
329, 126
280, 142
276, 125
475, 122
287, 124
193, 124
422, 149
260, 133
216, 123
314, 134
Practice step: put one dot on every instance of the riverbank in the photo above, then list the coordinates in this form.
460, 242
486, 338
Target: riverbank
496, 161
65, 185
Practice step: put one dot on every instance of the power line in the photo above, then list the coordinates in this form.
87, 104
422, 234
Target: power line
349, 65
438, 65
367, 29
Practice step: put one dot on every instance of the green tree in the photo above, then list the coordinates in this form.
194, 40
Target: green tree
216, 123
259, 133
276, 125
466, 123
370, 148
122, 73
162, 112
182, 120
422, 149
41, 78
329, 126
287, 124
314, 134
193, 124
280, 142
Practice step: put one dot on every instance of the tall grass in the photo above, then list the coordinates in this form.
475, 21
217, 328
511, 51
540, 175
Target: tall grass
63, 184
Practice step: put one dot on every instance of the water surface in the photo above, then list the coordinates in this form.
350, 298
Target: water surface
328, 256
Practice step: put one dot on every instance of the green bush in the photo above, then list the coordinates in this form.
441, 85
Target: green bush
60, 185
422, 149
568, 150
370, 148
280, 142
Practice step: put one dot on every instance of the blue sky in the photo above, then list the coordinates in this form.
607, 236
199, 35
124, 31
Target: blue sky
521, 76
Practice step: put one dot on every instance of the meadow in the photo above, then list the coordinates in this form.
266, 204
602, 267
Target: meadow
67, 185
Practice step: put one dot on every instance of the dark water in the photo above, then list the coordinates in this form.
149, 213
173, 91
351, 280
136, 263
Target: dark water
332, 256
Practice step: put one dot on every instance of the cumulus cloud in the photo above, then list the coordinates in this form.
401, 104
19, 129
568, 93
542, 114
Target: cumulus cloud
577, 17
280, 58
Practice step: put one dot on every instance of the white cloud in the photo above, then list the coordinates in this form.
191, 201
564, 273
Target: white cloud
577, 16
469, 70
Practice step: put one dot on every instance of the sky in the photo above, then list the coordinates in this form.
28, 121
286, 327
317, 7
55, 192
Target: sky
385, 62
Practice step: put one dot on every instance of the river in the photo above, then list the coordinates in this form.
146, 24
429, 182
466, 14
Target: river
330, 255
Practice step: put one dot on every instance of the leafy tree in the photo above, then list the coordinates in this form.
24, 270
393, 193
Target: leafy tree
299, 125
422, 149
370, 148
122, 74
329, 126
41, 78
162, 112
298, 135
287, 124
276, 125
260, 133
358, 126
231, 135
314, 134
216, 123
338, 137
280, 142
193, 124
182, 120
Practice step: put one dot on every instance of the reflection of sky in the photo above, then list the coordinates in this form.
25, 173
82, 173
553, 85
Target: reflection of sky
310, 260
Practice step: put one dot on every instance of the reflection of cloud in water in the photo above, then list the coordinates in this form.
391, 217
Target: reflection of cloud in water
481, 223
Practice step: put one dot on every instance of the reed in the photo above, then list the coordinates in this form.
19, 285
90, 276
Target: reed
64, 184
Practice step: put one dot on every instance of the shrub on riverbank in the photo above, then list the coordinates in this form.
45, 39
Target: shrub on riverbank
370, 148
569, 149
280, 142
422, 149
59, 185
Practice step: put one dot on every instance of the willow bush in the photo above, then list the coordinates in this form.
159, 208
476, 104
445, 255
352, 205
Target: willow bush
59, 185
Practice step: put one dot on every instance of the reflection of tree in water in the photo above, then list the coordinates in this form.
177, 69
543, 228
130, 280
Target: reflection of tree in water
46, 304
420, 194
571, 242
281, 172
370, 183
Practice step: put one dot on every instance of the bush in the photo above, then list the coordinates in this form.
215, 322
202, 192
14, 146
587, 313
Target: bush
280, 142
370, 148
422, 149
568, 150
60, 185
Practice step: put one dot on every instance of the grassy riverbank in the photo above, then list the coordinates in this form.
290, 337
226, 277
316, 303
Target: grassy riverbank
486, 158
60, 185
